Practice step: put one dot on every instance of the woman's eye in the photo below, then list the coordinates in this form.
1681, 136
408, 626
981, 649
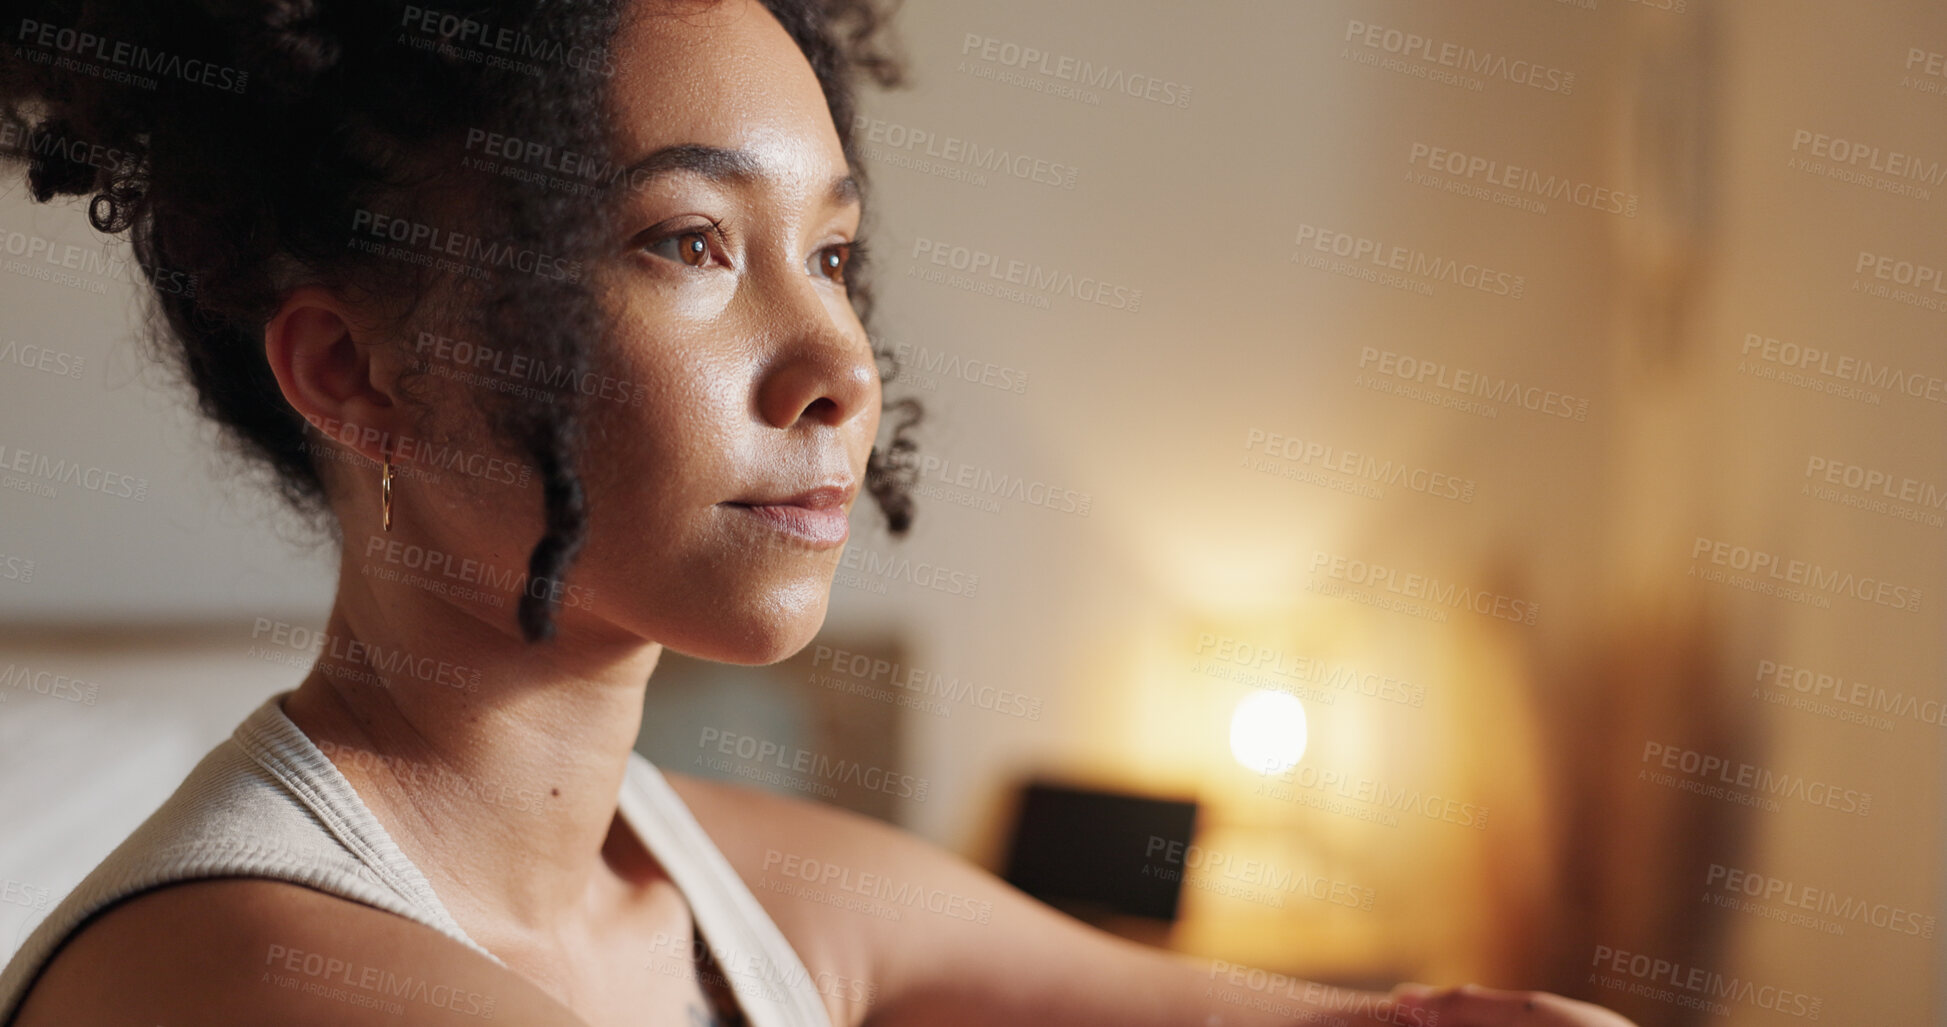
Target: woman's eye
690, 247
830, 262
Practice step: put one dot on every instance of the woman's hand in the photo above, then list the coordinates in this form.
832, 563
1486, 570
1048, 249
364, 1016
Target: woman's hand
1471, 1005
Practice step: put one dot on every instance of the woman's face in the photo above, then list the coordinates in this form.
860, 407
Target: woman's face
724, 282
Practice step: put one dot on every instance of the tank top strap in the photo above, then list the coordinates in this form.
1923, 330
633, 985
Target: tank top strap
267, 802
770, 981
277, 744
264, 803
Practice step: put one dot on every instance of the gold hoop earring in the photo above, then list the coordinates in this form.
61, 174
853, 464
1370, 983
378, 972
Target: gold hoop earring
385, 488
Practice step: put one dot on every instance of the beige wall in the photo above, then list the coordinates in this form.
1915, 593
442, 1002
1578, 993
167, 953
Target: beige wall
1691, 114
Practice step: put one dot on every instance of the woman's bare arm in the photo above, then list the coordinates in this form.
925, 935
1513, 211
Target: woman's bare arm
248, 952
944, 943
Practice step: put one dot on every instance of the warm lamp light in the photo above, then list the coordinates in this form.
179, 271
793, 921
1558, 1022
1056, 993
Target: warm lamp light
1267, 732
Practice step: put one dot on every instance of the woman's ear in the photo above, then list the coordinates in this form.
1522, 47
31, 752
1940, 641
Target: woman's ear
334, 372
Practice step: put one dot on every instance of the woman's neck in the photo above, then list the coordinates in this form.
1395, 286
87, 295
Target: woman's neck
494, 764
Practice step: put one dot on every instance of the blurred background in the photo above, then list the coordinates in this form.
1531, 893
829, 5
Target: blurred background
1411, 492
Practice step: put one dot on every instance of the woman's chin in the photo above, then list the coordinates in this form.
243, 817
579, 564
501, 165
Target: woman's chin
770, 634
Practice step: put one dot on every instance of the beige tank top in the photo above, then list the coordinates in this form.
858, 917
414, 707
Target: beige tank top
266, 802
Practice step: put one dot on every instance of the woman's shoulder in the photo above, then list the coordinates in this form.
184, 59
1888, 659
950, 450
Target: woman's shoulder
783, 845
859, 898
251, 951
942, 940
747, 819
237, 829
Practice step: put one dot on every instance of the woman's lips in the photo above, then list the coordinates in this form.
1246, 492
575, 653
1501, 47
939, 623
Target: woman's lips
822, 527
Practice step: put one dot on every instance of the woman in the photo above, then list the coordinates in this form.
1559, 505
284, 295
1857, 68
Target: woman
466, 279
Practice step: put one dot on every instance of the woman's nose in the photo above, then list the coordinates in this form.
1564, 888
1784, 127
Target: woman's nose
823, 374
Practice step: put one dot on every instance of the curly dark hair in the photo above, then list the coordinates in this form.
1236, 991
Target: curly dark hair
242, 144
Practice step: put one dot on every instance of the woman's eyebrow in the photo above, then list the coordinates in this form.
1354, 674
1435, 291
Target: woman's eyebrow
720, 164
